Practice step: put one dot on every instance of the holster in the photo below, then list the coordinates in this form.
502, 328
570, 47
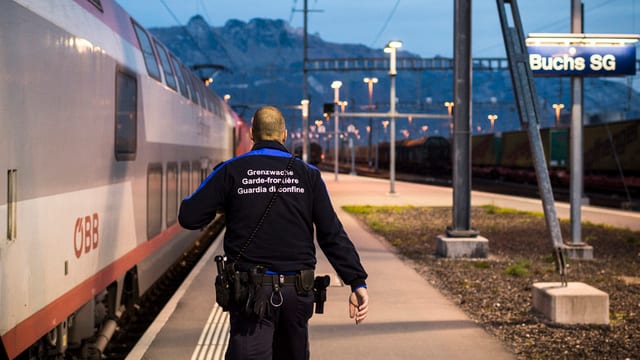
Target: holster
222, 285
320, 284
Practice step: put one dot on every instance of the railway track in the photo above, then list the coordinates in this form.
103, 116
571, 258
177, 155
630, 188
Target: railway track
133, 323
609, 200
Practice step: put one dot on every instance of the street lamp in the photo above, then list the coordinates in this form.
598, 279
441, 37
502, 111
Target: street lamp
370, 81
391, 49
492, 118
305, 133
558, 107
336, 100
449, 105
227, 97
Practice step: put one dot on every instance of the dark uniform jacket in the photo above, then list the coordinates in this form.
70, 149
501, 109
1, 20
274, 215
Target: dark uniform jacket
243, 187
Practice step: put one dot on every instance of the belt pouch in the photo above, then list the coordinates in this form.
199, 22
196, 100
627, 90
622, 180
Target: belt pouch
304, 282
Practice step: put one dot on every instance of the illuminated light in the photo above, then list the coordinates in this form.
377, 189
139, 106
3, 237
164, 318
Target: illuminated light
394, 44
581, 39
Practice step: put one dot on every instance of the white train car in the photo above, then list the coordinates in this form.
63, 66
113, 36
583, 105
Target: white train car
102, 131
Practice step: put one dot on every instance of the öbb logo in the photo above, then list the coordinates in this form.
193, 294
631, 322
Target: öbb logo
85, 236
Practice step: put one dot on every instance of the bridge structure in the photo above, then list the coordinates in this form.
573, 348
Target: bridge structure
407, 63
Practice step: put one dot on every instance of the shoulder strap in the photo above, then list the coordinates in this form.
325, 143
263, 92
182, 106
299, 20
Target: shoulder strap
259, 224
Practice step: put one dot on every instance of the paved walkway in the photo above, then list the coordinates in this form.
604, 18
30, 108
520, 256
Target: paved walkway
408, 318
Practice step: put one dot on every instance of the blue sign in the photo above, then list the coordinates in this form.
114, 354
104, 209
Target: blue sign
579, 60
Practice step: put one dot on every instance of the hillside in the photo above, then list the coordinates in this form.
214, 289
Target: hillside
262, 61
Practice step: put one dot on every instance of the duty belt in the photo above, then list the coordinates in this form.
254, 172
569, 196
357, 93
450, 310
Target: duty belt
279, 279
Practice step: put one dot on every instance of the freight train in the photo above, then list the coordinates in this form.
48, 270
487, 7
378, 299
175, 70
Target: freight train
610, 156
104, 130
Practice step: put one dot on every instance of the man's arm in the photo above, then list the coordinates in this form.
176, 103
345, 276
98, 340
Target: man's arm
199, 209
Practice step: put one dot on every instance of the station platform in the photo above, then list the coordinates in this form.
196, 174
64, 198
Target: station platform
408, 318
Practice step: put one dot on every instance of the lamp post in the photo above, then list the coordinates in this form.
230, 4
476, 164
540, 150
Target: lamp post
370, 81
391, 49
449, 105
336, 100
558, 107
305, 132
492, 118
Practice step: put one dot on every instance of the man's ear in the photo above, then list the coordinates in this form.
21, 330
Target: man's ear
284, 136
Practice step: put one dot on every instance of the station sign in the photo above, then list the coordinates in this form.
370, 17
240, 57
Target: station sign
579, 55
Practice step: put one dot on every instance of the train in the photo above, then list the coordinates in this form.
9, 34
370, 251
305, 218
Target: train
315, 155
610, 160
104, 130
610, 153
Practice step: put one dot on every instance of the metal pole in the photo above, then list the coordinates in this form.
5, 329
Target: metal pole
392, 48
336, 119
392, 140
462, 122
305, 120
370, 84
575, 152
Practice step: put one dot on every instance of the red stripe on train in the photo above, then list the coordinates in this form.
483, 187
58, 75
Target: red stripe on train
27, 332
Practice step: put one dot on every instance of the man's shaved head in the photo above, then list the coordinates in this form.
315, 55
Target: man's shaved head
268, 124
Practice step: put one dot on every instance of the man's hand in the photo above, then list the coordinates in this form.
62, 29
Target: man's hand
359, 304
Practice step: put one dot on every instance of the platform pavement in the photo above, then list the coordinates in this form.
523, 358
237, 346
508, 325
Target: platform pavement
408, 318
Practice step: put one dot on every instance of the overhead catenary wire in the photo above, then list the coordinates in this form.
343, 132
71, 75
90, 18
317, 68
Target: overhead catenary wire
386, 23
195, 42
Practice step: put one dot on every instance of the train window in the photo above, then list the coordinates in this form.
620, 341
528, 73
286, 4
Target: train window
154, 200
215, 105
169, 78
12, 201
172, 193
97, 4
196, 89
147, 51
126, 113
187, 79
183, 86
185, 169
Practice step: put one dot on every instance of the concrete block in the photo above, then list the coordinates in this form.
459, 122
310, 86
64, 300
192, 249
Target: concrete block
470, 247
579, 251
576, 303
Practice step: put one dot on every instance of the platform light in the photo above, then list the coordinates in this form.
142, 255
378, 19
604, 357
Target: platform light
557, 108
492, 118
581, 39
391, 49
336, 85
449, 105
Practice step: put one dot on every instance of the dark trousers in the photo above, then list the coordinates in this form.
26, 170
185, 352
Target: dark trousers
283, 335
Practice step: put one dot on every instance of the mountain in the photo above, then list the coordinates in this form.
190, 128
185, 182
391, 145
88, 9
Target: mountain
260, 62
